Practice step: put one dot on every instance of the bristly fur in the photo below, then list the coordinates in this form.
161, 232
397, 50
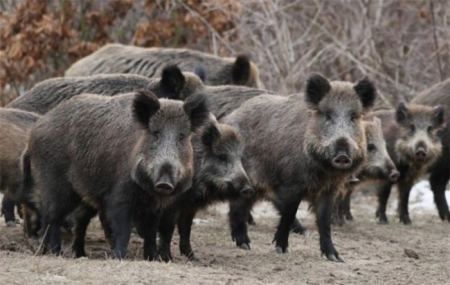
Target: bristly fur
149, 62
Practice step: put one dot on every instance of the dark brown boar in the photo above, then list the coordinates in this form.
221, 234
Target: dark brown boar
14, 128
126, 157
219, 176
302, 148
440, 171
47, 94
411, 133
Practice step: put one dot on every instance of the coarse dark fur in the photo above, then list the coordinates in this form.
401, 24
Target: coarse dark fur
126, 157
219, 176
118, 58
439, 94
14, 128
47, 94
301, 147
225, 99
411, 133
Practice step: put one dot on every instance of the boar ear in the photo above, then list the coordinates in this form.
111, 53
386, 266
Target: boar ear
240, 72
172, 82
210, 134
145, 105
438, 116
366, 92
317, 87
402, 113
196, 108
200, 71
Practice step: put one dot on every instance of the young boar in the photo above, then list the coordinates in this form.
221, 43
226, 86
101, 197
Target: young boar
219, 176
126, 157
440, 171
378, 167
411, 133
47, 94
14, 128
297, 149
118, 58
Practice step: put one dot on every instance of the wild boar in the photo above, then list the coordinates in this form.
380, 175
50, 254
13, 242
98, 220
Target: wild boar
126, 156
302, 147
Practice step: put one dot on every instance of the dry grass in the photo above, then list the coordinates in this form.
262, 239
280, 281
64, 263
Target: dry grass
374, 254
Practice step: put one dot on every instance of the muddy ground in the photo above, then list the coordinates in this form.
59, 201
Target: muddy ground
373, 254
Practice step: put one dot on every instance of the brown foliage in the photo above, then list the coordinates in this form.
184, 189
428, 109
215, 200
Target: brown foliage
40, 39
392, 42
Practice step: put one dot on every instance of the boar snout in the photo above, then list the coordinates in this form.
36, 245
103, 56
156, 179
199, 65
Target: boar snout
342, 160
165, 183
421, 151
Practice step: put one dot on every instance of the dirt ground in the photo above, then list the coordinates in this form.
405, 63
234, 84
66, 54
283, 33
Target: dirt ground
373, 254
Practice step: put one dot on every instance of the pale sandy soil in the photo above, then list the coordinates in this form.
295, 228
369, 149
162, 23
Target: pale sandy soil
373, 254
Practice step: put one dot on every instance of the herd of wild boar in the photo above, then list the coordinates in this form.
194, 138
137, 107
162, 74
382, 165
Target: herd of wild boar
147, 137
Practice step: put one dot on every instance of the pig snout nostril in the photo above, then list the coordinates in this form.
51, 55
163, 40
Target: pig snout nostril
421, 153
342, 161
394, 175
164, 187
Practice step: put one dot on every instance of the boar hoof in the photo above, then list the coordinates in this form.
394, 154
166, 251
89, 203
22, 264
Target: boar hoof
405, 220
251, 220
245, 246
280, 250
334, 257
299, 230
166, 257
11, 224
349, 216
192, 257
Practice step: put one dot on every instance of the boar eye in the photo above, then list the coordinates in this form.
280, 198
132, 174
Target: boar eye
412, 128
430, 129
328, 115
181, 136
223, 157
371, 147
354, 116
156, 134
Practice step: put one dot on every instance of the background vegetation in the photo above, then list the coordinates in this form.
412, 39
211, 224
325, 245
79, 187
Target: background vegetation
404, 45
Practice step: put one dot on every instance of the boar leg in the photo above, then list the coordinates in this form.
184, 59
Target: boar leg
8, 206
298, 228
337, 216
383, 196
438, 182
166, 229
251, 220
150, 230
84, 215
118, 220
323, 210
238, 216
404, 189
59, 200
288, 210
184, 224
346, 204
